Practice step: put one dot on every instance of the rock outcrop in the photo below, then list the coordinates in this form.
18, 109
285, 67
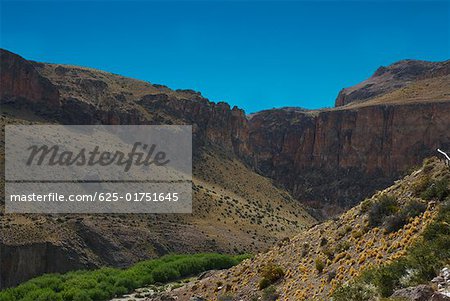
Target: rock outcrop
21, 82
21, 262
442, 281
395, 76
416, 293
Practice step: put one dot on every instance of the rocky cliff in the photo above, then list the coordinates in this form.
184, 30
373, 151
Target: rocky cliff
330, 158
76, 95
21, 82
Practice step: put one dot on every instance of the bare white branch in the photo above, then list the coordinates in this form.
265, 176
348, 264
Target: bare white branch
446, 156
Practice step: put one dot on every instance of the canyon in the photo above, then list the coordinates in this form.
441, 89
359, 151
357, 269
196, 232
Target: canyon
328, 159
311, 164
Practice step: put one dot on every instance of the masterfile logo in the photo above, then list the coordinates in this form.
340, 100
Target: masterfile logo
98, 169
53, 155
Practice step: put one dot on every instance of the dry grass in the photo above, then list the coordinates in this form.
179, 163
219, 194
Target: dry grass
333, 243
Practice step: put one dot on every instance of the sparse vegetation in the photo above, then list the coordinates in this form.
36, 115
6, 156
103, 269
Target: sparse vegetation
423, 261
106, 283
315, 269
226, 297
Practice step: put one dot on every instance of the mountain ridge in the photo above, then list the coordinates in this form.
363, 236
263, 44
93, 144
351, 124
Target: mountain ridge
390, 78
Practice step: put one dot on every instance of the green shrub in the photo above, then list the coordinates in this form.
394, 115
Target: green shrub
421, 185
226, 297
270, 294
355, 292
366, 205
328, 252
437, 190
343, 246
387, 278
386, 206
82, 296
395, 222
320, 265
398, 220
263, 283
414, 208
43, 294
106, 283
7, 295
126, 282
165, 273
270, 274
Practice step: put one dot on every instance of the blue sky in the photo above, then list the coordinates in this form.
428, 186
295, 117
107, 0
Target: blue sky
256, 55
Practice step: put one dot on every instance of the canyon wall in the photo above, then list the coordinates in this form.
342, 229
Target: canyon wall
22, 262
338, 157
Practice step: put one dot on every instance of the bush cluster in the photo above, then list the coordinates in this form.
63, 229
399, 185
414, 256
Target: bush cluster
386, 206
270, 294
437, 190
270, 274
320, 265
387, 213
396, 221
107, 283
356, 292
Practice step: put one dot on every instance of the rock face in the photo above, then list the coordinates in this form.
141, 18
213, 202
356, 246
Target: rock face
342, 155
212, 123
417, 293
420, 293
22, 262
390, 78
442, 281
21, 82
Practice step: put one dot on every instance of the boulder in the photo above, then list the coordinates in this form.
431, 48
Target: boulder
416, 293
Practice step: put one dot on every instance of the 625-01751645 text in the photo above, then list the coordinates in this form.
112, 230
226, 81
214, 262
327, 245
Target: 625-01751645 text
100, 197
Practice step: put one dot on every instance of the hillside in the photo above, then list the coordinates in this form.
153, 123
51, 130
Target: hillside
315, 263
